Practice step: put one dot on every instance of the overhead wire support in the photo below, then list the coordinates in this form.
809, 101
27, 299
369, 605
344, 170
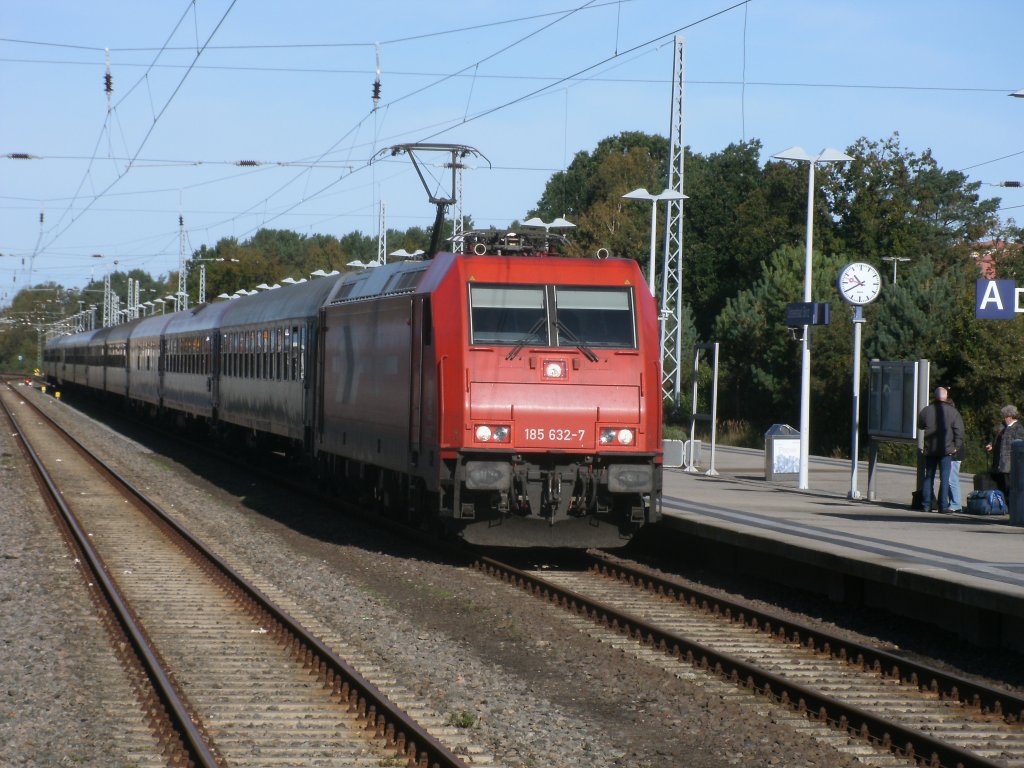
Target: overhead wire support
672, 263
382, 236
458, 222
182, 295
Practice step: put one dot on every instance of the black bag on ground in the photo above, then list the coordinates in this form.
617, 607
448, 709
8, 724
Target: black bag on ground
985, 503
983, 481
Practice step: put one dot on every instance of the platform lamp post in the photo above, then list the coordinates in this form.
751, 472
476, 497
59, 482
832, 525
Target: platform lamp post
895, 260
825, 156
643, 194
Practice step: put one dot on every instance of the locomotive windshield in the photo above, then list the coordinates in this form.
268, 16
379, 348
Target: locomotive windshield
552, 316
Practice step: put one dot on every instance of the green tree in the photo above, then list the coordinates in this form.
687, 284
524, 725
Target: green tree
574, 191
760, 357
890, 201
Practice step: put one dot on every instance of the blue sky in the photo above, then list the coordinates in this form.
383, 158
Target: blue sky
199, 86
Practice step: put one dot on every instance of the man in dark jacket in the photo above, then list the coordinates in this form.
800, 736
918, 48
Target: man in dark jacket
943, 429
1000, 448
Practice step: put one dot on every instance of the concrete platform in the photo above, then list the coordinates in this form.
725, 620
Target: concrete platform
962, 572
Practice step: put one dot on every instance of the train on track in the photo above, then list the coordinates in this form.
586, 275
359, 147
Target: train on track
511, 395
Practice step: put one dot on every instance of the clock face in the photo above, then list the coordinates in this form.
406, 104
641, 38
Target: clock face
859, 283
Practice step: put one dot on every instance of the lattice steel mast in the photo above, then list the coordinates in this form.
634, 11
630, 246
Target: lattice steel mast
672, 263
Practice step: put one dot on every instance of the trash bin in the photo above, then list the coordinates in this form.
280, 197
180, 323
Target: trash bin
781, 452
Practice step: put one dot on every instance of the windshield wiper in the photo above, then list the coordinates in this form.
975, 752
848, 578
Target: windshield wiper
541, 322
580, 345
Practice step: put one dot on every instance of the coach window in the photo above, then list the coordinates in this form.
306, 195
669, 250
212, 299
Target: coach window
282, 353
507, 315
268, 355
275, 359
295, 352
271, 347
595, 317
279, 347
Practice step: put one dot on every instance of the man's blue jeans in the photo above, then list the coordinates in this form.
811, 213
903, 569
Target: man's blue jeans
955, 502
943, 464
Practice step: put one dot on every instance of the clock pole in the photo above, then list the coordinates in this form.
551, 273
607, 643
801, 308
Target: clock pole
858, 284
858, 321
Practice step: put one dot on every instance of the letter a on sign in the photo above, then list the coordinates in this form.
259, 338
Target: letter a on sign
994, 299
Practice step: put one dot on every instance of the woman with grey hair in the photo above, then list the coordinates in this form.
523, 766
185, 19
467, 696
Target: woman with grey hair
1000, 447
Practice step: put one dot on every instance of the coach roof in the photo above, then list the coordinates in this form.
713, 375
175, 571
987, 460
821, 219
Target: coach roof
285, 303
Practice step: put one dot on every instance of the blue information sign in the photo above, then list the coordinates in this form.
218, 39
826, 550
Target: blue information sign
996, 299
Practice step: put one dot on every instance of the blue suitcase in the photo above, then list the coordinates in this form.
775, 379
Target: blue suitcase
985, 503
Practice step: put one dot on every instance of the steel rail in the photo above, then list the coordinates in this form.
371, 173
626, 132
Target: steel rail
989, 700
903, 741
388, 721
175, 707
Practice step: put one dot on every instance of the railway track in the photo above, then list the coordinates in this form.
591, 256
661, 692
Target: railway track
879, 706
226, 676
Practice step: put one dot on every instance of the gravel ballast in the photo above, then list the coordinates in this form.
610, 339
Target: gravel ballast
526, 686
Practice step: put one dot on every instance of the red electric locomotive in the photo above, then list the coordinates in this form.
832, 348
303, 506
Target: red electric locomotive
518, 397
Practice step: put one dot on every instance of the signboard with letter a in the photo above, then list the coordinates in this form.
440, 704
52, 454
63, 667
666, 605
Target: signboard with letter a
997, 300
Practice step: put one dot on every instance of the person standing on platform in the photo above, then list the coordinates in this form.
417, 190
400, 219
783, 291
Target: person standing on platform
1000, 447
955, 500
943, 429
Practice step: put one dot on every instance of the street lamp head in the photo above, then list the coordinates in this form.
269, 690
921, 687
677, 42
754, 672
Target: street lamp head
793, 153
665, 194
401, 253
1018, 94
832, 156
825, 156
636, 194
536, 221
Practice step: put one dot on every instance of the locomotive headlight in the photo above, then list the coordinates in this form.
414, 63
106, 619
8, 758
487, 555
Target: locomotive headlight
490, 433
554, 369
617, 436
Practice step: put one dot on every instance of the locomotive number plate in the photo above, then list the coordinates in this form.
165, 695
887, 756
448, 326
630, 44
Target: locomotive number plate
554, 435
